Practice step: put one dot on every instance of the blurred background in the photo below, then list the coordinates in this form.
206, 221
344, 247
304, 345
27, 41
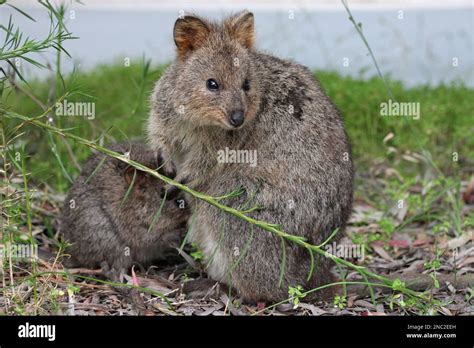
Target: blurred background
417, 42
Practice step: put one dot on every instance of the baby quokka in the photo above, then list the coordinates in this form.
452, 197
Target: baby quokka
115, 216
221, 92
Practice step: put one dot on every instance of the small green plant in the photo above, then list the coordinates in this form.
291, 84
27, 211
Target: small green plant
237, 303
340, 302
197, 253
296, 294
396, 299
387, 226
434, 265
72, 289
442, 227
398, 285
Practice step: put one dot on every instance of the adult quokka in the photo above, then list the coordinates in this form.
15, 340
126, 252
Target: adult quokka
221, 93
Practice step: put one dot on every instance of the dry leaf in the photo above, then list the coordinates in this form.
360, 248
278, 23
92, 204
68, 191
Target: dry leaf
381, 252
458, 241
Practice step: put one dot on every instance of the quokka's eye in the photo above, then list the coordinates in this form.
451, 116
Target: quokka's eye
212, 85
246, 85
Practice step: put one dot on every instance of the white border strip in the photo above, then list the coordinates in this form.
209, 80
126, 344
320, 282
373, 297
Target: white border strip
334, 5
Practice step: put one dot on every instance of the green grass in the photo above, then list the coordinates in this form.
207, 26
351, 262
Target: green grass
445, 125
121, 96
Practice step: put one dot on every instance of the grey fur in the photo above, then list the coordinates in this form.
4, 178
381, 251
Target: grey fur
101, 230
304, 176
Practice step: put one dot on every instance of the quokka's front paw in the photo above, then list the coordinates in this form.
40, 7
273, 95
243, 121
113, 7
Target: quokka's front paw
166, 167
172, 192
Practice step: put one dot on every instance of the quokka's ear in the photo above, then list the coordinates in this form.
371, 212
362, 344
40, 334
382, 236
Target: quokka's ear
241, 28
189, 34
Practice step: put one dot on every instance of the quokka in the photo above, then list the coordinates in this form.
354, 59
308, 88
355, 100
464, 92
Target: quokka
221, 92
114, 215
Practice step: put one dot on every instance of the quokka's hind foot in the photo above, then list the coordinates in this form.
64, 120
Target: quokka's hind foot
130, 294
133, 295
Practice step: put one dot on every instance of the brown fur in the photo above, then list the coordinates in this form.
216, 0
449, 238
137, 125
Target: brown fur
303, 179
102, 231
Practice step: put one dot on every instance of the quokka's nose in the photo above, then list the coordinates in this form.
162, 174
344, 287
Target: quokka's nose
236, 118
